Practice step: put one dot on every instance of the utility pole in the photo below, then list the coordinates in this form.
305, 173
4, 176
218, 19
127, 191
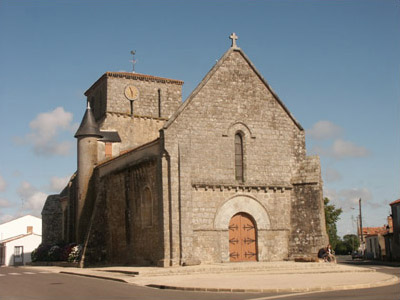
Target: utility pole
361, 227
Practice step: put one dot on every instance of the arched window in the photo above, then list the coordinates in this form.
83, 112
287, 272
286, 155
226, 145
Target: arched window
147, 208
239, 157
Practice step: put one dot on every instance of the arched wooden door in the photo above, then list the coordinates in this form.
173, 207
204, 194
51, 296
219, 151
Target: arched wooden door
242, 238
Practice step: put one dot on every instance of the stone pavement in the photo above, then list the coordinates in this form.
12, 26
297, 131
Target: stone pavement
242, 277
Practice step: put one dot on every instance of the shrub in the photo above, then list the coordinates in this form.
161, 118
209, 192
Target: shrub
55, 253
41, 253
67, 251
75, 254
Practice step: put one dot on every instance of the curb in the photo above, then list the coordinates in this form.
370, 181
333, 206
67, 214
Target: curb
393, 280
94, 276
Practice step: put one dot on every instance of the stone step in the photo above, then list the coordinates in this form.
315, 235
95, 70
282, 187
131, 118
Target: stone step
272, 268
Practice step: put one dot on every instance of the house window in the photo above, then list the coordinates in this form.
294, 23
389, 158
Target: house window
147, 208
239, 157
18, 251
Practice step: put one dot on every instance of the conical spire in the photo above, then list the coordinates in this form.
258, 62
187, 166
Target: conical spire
88, 125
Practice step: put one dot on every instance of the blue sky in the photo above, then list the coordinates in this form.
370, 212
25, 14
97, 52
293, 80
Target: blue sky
335, 65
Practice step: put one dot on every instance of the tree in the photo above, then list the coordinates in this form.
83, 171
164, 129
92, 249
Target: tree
352, 242
347, 245
332, 215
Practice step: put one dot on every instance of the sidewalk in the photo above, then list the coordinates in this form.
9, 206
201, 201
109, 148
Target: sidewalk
242, 277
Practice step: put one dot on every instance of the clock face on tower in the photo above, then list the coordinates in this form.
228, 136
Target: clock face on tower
131, 92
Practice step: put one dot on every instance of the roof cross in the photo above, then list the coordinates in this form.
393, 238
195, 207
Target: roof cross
233, 37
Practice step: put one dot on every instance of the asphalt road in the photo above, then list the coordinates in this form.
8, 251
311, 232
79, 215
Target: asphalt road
30, 284
391, 292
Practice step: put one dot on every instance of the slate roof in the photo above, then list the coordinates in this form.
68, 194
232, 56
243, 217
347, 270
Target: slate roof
88, 125
110, 136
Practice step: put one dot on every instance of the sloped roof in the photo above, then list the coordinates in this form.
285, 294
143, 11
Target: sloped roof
395, 202
110, 136
211, 73
126, 153
374, 230
17, 237
26, 216
88, 125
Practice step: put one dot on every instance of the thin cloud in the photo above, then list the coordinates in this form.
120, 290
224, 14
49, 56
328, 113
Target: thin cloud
3, 184
348, 199
4, 203
332, 175
323, 130
45, 131
6, 218
341, 149
57, 184
33, 199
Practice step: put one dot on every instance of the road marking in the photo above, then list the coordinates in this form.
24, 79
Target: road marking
28, 273
382, 267
14, 274
45, 272
2, 275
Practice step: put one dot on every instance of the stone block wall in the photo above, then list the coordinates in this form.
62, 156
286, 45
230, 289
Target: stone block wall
52, 221
308, 229
122, 231
396, 231
306, 236
132, 131
200, 142
234, 99
148, 101
211, 242
158, 97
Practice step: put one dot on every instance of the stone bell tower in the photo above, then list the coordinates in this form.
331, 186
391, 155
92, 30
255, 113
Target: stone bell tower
88, 133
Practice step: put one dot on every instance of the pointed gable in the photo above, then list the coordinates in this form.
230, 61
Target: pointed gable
214, 70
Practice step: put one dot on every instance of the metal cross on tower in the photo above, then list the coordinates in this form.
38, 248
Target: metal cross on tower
233, 37
133, 61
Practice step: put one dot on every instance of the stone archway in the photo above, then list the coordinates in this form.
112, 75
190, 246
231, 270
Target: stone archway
242, 238
245, 204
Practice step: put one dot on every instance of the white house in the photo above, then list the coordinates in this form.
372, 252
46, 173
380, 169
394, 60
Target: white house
18, 238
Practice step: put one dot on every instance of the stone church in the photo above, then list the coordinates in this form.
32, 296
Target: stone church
220, 177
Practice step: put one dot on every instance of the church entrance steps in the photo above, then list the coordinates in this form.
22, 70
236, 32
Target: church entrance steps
258, 267
273, 277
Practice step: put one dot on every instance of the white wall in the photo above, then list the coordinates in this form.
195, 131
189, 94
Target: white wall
19, 226
29, 242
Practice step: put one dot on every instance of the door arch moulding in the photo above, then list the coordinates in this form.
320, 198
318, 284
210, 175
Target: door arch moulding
241, 203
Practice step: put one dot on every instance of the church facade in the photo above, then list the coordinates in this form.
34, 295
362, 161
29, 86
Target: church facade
221, 177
